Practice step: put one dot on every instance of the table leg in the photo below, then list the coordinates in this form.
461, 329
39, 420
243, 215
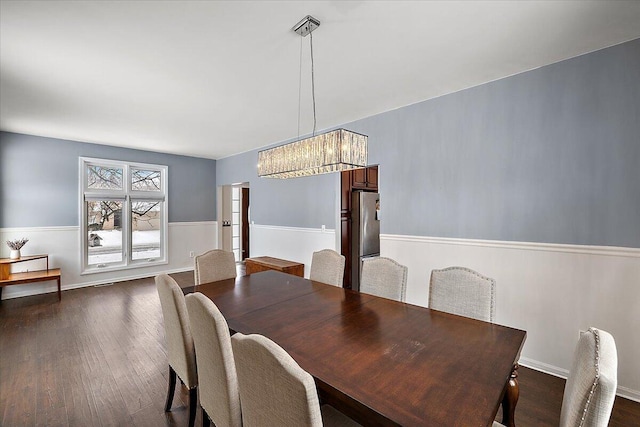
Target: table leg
510, 399
59, 291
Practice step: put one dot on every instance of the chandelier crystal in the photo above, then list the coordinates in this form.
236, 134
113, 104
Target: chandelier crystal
334, 151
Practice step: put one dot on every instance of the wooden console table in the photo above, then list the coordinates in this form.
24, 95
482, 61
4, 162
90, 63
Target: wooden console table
8, 278
263, 263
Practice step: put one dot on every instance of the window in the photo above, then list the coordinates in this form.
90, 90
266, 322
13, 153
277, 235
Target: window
124, 214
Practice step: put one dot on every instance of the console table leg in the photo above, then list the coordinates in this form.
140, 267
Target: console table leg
510, 399
59, 291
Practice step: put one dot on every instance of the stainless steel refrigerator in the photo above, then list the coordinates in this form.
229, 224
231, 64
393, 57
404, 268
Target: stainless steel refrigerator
365, 231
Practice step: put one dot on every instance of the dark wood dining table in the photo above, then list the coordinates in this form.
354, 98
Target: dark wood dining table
381, 362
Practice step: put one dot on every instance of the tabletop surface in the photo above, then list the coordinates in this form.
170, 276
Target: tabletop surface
382, 362
267, 260
22, 258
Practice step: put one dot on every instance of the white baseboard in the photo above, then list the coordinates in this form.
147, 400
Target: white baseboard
544, 367
625, 392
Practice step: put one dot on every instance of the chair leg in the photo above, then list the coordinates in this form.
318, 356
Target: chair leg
171, 389
206, 422
193, 405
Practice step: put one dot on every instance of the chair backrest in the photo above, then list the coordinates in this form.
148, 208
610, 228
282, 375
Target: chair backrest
180, 349
327, 266
383, 277
214, 265
591, 387
218, 386
464, 292
274, 389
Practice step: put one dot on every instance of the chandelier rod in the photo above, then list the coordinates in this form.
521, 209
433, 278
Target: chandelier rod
313, 86
299, 87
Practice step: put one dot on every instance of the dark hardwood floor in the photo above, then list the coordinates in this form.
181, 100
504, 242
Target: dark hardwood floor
98, 358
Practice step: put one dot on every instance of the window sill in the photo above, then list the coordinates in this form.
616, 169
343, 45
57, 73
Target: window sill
109, 269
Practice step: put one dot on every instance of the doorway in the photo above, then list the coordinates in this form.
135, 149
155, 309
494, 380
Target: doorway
244, 221
363, 179
234, 219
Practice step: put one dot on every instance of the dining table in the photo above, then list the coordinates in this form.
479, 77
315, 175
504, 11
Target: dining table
380, 361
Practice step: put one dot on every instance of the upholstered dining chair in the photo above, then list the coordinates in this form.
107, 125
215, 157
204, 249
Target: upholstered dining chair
275, 390
218, 381
590, 390
180, 349
214, 265
383, 277
461, 291
327, 266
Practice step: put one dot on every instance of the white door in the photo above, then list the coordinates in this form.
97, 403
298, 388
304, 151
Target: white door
224, 218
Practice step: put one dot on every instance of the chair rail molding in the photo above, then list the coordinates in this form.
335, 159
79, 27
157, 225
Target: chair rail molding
532, 246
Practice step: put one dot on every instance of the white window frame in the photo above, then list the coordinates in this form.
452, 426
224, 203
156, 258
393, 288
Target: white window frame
128, 196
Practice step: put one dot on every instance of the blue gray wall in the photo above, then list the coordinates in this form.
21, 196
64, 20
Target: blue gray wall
301, 202
39, 180
550, 155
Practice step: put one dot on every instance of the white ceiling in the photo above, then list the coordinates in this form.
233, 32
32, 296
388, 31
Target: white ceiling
212, 79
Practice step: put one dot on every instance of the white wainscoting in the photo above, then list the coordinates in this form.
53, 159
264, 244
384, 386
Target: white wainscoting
552, 291
290, 243
63, 246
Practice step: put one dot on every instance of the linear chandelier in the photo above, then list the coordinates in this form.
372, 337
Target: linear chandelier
333, 151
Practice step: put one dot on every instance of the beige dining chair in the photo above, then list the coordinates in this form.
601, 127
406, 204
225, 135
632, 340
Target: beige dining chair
327, 266
383, 277
590, 390
275, 390
461, 291
219, 397
180, 349
214, 265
